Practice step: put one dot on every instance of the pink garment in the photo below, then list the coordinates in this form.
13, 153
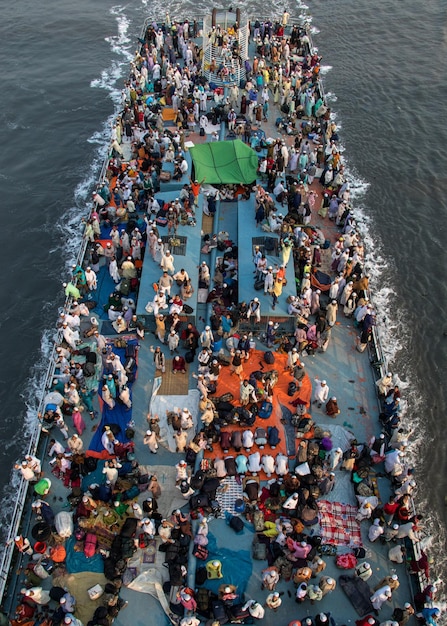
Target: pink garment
78, 422
299, 551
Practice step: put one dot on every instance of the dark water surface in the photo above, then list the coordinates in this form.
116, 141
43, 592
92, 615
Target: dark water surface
59, 64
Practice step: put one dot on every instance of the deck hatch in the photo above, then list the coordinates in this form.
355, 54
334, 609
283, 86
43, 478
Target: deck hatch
179, 249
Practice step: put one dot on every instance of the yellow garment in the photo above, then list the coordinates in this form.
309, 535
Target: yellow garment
214, 570
277, 288
270, 529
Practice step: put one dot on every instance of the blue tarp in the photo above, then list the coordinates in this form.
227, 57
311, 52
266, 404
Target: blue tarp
77, 561
236, 566
120, 414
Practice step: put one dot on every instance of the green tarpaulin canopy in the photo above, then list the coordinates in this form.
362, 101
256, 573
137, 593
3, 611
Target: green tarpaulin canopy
225, 162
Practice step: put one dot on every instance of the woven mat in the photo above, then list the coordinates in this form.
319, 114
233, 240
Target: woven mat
207, 223
227, 494
173, 384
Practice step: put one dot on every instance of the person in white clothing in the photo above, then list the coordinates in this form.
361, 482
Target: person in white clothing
254, 308
321, 392
167, 262
255, 609
375, 530
150, 440
90, 277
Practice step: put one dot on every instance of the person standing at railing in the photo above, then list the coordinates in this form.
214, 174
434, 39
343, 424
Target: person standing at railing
22, 544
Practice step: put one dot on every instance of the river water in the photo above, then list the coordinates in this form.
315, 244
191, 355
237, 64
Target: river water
385, 67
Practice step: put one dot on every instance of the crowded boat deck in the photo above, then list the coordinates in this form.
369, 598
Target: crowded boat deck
220, 440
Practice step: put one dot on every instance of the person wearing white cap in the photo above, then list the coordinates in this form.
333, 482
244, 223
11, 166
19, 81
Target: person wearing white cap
75, 444
333, 289
254, 309
148, 527
270, 578
268, 464
70, 336
111, 471
151, 240
321, 392
128, 268
273, 601
173, 341
335, 457
137, 511
384, 384
321, 619
68, 603
71, 620
391, 581
305, 283
167, 262
406, 488
120, 325
375, 530
190, 620
269, 279
327, 584
346, 293
150, 440
207, 338
364, 571
403, 615
381, 596
204, 274
393, 459
292, 360
26, 471
257, 255
158, 251
181, 471
91, 279
317, 565
332, 407
315, 302
181, 439
23, 544
331, 312
37, 595
255, 609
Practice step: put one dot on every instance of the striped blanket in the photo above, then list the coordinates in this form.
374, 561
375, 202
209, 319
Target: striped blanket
338, 524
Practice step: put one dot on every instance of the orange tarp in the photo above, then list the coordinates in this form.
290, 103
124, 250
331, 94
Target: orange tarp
168, 114
229, 382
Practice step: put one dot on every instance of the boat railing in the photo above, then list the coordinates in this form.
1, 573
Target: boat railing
21, 491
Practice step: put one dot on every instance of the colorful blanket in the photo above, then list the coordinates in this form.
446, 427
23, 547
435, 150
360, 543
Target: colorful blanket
338, 524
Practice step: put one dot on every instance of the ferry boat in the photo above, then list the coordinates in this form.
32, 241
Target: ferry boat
218, 433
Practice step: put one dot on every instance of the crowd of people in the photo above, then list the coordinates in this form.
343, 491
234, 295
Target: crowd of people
282, 510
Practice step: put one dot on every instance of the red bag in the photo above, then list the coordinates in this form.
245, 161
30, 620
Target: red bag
90, 545
346, 561
200, 552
